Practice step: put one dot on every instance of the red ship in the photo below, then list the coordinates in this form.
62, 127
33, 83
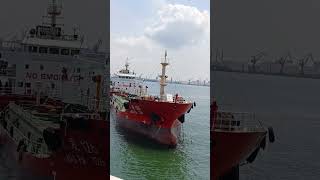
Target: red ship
45, 138
53, 105
156, 117
236, 138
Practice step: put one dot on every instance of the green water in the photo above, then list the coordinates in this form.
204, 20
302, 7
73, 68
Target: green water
134, 158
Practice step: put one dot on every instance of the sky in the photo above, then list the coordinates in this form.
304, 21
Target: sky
142, 30
90, 16
240, 27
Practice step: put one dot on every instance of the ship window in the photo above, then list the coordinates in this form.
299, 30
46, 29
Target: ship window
65, 51
52, 85
78, 70
43, 50
20, 84
54, 50
28, 84
41, 67
27, 66
75, 52
34, 49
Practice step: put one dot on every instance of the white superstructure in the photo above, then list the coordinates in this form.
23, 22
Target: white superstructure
126, 80
55, 64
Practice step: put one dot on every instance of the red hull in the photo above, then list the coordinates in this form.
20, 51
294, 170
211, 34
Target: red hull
162, 135
69, 163
230, 148
154, 119
169, 112
82, 156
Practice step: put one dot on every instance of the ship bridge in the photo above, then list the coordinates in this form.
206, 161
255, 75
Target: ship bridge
51, 46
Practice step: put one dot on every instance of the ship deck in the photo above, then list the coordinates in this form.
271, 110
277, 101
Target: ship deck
34, 116
46, 115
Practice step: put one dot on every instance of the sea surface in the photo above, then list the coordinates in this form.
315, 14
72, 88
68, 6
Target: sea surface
292, 107
135, 158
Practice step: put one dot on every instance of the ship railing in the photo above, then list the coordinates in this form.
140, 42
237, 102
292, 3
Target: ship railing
39, 150
91, 103
19, 110
10, 91
94, 116
227, 120
62, 37
93, 54
130, 90
27, 116
6, 90
8, 72
55, 94
82, 99
13, 46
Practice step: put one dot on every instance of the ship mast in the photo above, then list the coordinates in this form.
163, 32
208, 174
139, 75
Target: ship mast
163, 76
53, 12
127, 64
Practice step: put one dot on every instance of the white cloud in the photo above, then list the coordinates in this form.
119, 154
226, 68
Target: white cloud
183, 30
179, 25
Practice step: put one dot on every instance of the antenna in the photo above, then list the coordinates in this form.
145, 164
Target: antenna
127, 63
75, 29
165, 56
53, 12
81, 40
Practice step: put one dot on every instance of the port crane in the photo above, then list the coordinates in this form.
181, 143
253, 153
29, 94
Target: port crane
316, 64
303, 61
219, 61
219, 55
256, 58
284, 60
